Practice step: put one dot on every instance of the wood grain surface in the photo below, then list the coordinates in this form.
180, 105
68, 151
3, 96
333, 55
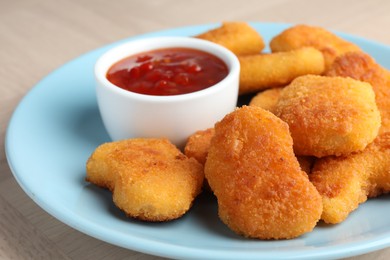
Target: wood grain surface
38, 36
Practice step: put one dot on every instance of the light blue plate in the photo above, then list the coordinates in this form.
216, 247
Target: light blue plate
57, 126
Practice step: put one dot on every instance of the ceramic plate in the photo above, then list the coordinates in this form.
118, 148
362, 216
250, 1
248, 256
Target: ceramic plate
57, 126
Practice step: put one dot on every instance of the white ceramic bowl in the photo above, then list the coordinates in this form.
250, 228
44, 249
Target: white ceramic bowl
127, 114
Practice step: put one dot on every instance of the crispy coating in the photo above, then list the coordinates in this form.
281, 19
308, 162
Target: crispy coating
329, 115
251, 168
198, 145
345, 182
304, 35
262, 71
151, 179
361, 66
267, 99
239, 37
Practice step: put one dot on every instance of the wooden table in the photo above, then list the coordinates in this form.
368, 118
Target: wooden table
38, 36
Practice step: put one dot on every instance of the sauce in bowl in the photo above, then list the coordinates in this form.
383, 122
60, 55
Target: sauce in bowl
168, 71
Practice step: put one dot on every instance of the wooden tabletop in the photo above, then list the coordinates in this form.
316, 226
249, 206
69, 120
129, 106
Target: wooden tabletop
38, 36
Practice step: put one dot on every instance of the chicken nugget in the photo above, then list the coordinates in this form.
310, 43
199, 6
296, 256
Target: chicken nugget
345, 182
266, 99
260, 188
262, 71
239, 37
361, 66
304, 35
329, 115
151, 179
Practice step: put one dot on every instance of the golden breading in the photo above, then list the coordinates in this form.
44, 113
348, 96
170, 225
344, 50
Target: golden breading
262, 71
329, 115
361, 66
198, 145
266, 99
239, 37
150, 178
251, 168
345, 182
304, 36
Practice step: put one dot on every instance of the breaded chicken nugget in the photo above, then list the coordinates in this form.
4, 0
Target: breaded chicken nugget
329, 115
345, 182
303, 36
262, 71
361, 66
251, 168
266, 99
150, 179
239, 37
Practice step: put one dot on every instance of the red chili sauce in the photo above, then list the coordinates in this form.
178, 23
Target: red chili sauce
171, 71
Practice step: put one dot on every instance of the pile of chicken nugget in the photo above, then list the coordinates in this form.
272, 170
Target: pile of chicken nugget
312, 145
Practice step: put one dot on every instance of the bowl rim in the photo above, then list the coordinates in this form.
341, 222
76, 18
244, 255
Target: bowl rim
153, 43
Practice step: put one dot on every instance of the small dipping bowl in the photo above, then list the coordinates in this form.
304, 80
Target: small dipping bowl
128, 114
